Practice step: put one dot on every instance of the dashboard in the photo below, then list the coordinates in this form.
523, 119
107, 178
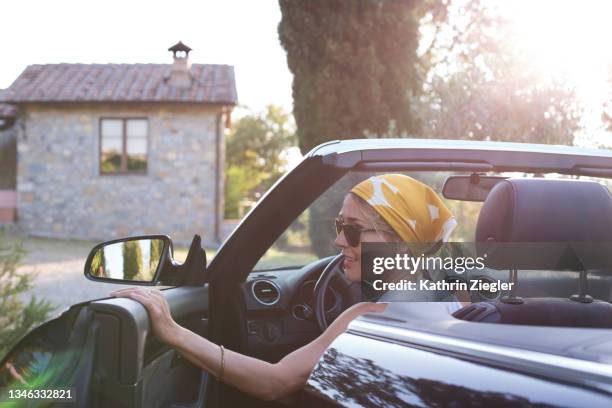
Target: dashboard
279, 309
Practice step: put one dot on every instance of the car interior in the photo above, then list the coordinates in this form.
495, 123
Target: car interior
279, 305
549, 211
271, 310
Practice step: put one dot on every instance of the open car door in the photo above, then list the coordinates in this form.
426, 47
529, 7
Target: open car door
102, 353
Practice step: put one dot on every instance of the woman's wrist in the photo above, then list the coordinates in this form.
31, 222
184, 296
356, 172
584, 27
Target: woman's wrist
174, 334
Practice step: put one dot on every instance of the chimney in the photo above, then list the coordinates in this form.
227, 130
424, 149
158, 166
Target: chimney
180, 76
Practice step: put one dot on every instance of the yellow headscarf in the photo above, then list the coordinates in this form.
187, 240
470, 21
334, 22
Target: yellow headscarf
411, 208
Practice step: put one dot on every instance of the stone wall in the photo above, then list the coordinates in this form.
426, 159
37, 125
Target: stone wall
62, 194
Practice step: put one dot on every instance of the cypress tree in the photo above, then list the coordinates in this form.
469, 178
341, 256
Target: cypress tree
154, 257
132, 260
353, 64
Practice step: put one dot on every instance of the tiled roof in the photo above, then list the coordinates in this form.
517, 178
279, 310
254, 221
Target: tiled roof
121, 83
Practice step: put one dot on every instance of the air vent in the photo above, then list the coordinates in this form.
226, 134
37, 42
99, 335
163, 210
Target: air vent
266, 292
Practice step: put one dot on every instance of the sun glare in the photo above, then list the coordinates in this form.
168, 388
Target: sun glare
567, 39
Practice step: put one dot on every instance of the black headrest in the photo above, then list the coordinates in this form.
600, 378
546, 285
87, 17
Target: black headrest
548, 211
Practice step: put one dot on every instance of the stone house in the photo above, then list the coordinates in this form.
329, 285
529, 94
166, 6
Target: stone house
109, 150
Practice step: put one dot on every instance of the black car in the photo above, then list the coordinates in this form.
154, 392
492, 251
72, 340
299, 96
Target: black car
546, 342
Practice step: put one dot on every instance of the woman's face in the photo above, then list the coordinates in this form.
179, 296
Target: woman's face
351, 213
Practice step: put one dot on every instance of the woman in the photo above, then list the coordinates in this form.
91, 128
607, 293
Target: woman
387, 208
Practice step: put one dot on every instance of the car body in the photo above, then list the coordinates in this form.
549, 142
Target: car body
413, 354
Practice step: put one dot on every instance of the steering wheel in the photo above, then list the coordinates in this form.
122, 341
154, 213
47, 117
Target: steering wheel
332, 272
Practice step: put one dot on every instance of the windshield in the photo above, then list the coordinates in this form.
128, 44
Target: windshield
311, 235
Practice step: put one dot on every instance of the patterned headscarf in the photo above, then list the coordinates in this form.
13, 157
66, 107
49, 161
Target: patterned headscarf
411, 208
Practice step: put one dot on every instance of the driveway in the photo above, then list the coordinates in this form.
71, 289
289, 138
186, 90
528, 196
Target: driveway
58, 265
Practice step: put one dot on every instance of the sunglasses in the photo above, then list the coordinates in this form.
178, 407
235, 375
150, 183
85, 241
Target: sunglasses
351, 232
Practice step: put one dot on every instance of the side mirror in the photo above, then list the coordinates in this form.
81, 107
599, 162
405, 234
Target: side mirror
146, 260
137, 260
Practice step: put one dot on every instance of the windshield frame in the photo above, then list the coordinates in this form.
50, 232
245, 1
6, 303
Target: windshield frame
327, 163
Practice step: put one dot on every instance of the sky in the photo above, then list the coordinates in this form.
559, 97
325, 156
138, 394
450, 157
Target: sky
563, 36
235, 32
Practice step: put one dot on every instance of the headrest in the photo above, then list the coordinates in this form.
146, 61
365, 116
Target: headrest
547, 211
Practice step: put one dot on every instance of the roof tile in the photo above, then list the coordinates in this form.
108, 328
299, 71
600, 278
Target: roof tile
121, 83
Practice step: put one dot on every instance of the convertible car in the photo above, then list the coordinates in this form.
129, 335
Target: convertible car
270, 289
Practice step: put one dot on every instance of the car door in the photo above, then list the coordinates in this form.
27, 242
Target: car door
378, 363
102, 354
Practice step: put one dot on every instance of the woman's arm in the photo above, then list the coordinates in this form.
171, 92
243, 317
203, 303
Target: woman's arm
257, 377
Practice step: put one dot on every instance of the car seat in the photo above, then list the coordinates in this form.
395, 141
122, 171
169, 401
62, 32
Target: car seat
561, 225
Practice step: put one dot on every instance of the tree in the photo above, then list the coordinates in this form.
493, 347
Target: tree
147, 272
467, 105
354, 73
155, 255
132, 260
16, 318
256, 155
358, 72
98, 264
479, 85
353, 64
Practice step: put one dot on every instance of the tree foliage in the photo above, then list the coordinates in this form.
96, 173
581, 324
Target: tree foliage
155, 254
480, 85
353, 64
16, 318
98, 264
358, 72
256, 155
132, 260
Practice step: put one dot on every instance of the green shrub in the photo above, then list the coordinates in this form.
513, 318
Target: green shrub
16, 317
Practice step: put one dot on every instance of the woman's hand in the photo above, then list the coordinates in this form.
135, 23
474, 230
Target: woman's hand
164, 327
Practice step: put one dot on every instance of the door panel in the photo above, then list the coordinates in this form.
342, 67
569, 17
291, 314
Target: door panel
106, 353
56, 355
185, 304
148, 373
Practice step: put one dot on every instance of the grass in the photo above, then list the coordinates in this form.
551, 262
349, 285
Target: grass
274, 258
180, 253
